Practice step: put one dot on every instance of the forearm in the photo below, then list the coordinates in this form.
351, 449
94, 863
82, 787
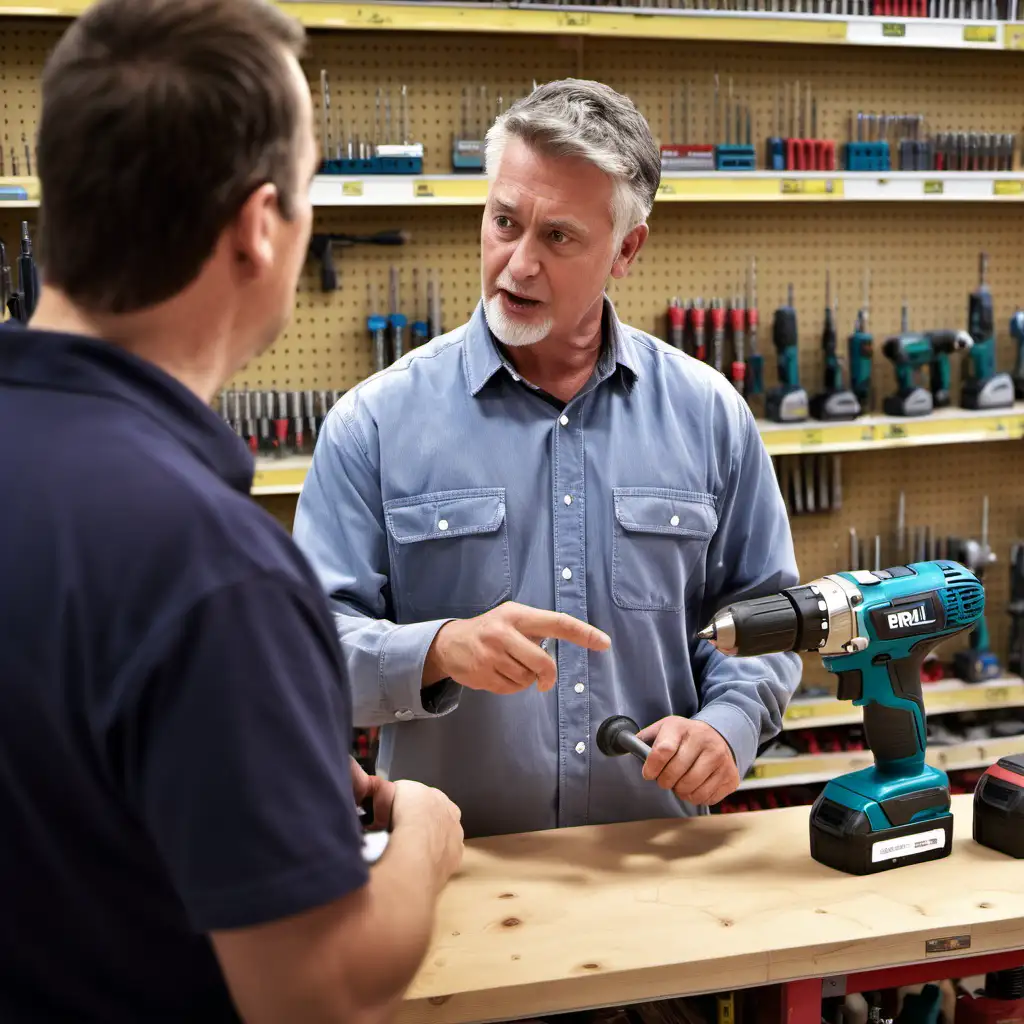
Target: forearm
745, 698
387, 667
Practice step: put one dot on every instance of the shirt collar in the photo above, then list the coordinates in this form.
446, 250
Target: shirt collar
484, 358
77, 364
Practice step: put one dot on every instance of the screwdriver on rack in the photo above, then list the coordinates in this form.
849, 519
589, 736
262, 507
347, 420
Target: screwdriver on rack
378, 326
396, 319
697, 319
736, 321
420, 329
676, 323
717, 314
860, 347
755, 361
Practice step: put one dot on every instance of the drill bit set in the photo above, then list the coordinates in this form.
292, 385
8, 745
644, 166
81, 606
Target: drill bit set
277, 423
383, 146
799, 148
17, 167
884, 142
810, 483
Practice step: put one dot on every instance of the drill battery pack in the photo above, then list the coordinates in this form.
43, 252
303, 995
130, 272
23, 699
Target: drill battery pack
843, 838
999, 807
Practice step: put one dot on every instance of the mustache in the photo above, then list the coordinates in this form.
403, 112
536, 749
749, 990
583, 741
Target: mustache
509, 284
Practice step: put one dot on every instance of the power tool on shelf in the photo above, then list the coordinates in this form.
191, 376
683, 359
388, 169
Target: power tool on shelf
860, 347
873, 630
787, 402
984, 388
910, 352
979, 661
834, 402
1017, 333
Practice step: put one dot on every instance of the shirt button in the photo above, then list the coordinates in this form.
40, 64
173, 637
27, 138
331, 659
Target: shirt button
674, 520
443, 524
580, 747
403, 714
567, 573
568, 499
579, 687
564, 420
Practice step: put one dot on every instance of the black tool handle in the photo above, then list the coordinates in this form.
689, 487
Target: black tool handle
617, 735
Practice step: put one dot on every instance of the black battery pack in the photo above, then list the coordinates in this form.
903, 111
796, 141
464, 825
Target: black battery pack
842, 838
999, 807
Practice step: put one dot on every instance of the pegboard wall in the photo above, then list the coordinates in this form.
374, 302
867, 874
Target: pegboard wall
925, 255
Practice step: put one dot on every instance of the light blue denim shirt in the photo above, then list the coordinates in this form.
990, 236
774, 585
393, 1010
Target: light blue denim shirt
445, 485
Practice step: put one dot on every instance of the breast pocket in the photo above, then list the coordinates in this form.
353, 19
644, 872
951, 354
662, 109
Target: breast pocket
659, 543
449, 553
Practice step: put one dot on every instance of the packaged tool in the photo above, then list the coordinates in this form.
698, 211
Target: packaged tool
999, 807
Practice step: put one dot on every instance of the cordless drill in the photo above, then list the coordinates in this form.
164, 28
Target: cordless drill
860, 347
787, 402
873, 629
910, 352
984, 388
1017, 333
834, 402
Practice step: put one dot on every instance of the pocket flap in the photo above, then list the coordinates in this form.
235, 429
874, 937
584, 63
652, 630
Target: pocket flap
445, 514
660, 510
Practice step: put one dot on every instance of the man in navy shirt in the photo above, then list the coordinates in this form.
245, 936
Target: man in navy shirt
179, 834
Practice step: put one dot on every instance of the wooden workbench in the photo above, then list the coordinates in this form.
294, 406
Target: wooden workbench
605, 915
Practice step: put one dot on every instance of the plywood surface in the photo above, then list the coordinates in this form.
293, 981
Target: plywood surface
600, 915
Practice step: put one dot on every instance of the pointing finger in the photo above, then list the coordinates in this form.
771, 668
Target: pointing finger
539, 663
536, 622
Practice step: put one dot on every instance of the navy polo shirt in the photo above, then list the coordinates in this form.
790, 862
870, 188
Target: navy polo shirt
174, 720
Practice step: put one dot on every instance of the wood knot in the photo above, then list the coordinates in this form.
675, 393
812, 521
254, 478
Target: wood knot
591, 967
515, 956
984, 906
438, 1000
820, 911
455, 935
726, 923
511, 922
507, 896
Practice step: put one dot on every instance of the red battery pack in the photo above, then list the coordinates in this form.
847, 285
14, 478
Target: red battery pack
999, 807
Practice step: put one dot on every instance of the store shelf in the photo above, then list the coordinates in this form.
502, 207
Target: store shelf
726, 187
806, 769
581, 20
874, 433
946, 697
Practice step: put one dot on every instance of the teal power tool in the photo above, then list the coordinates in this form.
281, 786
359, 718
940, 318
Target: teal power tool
1017, 333
873, 630
984, 388
834, 402
787, 402
979, 661
860, 348
910, 352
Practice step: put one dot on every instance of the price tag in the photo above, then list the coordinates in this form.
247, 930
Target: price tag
568, 20
1013, 38
812, 437
1007, 188
807, 186
894, 30
423, 190
894, 432
997, 695
867, 434
979, 33
351, 188
934, 188
666, 188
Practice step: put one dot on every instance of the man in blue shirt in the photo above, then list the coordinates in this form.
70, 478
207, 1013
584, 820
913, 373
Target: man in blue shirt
179, 837
546, 473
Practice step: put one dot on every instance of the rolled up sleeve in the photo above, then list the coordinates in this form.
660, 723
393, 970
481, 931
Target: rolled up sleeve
340, 528
751, 554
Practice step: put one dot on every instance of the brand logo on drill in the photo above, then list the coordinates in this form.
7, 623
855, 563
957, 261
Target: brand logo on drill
905, 619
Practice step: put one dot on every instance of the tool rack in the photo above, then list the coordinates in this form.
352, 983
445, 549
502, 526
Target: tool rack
920, 233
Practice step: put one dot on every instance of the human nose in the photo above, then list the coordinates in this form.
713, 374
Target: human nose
524, 262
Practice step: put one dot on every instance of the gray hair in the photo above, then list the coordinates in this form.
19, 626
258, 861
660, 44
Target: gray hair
574, 117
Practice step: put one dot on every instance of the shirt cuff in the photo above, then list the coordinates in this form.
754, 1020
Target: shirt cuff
401, 674
735, 728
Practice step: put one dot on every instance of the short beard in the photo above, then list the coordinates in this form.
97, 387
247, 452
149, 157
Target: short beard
511, 333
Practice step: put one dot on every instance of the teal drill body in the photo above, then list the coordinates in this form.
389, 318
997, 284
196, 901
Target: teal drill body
873, 630
940, 600
985, 388
860, 347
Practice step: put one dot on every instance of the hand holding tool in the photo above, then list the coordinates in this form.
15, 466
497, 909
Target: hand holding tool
873, 630
617, 735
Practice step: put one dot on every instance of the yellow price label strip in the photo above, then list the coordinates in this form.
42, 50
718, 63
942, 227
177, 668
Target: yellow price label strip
810, 187
468, 189
1013, 37
812, 437
979, 33
934, 188
1007, 188
352, 188
894, 30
